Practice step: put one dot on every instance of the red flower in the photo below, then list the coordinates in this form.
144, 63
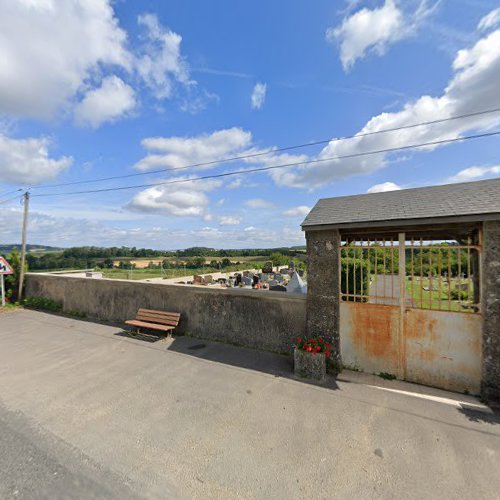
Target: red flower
327, 353
309, 348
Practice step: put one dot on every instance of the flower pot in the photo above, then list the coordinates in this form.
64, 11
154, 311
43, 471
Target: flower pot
309, 365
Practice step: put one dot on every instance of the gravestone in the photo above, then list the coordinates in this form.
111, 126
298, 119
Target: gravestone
246, 281
268, 267
296, 285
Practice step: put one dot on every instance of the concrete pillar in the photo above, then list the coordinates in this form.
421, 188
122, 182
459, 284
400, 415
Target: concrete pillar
323, 288
490, 292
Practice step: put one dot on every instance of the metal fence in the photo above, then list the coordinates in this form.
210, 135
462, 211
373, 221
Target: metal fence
432, 274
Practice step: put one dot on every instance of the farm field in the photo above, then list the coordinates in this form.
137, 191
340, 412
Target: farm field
142, 274
141, 263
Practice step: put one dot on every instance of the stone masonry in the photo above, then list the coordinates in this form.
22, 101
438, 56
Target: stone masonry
491, 310
323, 288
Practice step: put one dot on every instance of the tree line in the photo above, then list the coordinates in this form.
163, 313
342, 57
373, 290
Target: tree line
195, 257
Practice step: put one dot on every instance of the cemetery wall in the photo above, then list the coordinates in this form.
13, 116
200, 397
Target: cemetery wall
252, 318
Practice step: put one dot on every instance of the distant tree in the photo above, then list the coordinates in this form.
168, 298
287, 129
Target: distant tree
12, 280
278, 259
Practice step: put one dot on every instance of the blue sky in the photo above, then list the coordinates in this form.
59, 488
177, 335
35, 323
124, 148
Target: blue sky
95, 88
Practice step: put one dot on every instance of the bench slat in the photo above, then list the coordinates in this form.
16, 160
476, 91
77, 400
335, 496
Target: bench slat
152, 326
159, 313
155, 319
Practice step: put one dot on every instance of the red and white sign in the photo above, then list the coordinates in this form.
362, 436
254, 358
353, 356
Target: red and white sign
5, 267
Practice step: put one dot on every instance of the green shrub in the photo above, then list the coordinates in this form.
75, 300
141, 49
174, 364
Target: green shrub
459, 295
353, 285
42, 303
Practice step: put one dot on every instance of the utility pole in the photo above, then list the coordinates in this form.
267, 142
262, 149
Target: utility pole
23, 245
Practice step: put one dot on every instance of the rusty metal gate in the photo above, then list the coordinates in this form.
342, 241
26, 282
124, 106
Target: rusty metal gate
411, 308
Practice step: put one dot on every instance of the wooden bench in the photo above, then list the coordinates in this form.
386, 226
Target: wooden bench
155, 320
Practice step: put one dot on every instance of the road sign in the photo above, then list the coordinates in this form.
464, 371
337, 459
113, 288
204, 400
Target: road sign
5, 267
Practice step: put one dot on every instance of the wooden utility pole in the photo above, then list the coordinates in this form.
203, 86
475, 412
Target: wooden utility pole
23, 245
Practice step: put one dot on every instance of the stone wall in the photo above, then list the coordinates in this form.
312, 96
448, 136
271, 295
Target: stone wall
258, 319
490, 291
323, 287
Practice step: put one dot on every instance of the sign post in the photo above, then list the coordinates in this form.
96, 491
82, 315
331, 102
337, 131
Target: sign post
4, 269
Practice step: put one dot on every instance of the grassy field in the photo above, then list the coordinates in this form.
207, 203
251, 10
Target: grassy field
142, 274
142, 263
436, 297
433, 299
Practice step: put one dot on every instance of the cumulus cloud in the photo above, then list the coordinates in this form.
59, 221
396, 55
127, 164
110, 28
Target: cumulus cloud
175, 152
52, 53
161, 64
374, 30
259, 203
475, 173
67, 231
384, 187
302, 210
472, 87
27, 161
228, 220
49, 49
112, 100
489, 20
186, 199
259, 95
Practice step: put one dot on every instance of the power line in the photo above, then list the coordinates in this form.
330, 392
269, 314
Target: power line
3, 202
278, 150
9, 192
272, 167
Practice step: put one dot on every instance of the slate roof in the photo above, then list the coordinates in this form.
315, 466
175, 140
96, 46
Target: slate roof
449, 200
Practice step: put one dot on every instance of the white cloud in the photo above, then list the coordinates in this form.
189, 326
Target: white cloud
27, 161
259, 95
52, 52
489, 20
175, 152
384, 187
227, 220
259, 203
186, 199
374, 30
235, 184
475, 173
161, 64
65, 231
472, 87
112, 100
49, 49
297, 211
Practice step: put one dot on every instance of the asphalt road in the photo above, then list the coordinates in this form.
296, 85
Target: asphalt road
86, 412
36, 464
